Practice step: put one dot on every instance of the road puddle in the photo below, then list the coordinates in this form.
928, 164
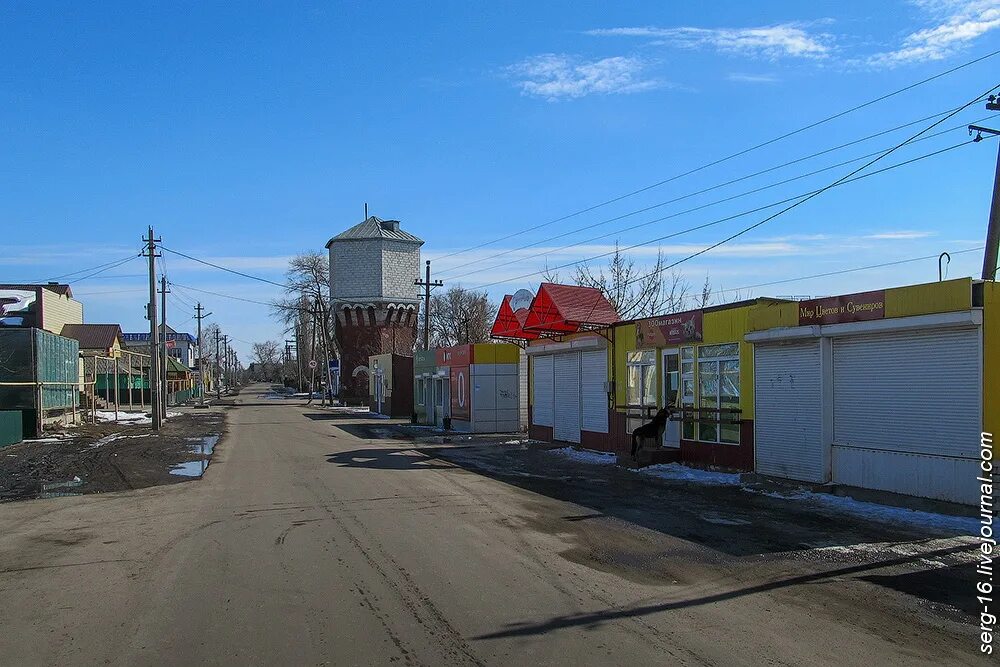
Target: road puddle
203, 446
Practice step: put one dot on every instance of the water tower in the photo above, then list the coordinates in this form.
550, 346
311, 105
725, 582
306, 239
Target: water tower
372, 268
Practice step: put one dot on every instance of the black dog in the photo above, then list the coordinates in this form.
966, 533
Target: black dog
653, 429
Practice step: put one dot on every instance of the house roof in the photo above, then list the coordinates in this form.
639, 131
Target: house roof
93, 336
58, 288
375, 228
174, 366
566, 308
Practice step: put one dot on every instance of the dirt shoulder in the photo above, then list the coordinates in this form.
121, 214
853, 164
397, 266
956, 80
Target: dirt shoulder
103, 457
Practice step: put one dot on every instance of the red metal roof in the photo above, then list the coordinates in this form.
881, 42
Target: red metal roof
510, 324
566, 308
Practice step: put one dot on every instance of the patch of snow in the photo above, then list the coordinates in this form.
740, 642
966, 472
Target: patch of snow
908, 549
585, 455
138, 418
116, 436
675, 472
876, 512
173, 414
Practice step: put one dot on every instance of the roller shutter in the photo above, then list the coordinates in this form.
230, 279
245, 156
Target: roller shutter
594, 397
541, 372
567, 397
907, 411
788, 407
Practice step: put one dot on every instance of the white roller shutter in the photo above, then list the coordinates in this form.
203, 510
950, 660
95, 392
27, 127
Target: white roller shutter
594, 397
907, 412
567, 397
788, 409
541, 376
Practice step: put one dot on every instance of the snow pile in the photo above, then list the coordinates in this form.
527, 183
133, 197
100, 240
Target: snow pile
124, 417
675, 472
876, 512
585, 455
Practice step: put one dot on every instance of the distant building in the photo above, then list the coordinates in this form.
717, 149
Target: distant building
49, 306
104, 340
181, 346
372, 269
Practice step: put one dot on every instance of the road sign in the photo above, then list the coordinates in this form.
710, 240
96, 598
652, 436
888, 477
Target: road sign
312, 363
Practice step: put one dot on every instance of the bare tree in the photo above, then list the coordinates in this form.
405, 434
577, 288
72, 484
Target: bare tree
268, 355
636, 291
460, 316
307, 306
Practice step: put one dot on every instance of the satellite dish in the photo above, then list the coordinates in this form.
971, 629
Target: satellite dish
521, 300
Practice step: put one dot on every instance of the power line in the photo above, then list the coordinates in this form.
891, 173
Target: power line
732, 155
843, 271
798, 197
686, 211
835, 183
227, 269
74, 273
451, 269
106, 268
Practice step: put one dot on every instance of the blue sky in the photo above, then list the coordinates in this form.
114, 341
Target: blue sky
247, 134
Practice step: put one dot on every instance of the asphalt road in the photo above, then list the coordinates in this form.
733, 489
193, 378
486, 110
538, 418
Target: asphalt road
307, 543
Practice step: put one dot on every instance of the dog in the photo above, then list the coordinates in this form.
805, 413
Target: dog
654, 429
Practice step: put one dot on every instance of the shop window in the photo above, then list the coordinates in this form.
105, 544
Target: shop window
640, 389
718, 388
687, 389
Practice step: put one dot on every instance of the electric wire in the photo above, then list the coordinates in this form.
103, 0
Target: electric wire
835, 183
684, 212
843, 271
444, 273
731, 156
796, 198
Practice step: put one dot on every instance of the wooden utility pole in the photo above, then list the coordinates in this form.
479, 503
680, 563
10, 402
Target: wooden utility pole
154, 375
225, 360
218, 369
201, 364
427, 285
164, 386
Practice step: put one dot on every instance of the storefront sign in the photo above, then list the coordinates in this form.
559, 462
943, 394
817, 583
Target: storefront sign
461, 407
840, 309
669, 330
18, 308
460, 355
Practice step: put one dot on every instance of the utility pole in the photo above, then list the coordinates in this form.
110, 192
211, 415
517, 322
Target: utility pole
993, 230
164, 387
225, 360
427, 285
218, 369
154, 375
201, 364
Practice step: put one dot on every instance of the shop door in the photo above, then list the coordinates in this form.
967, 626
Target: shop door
594, 393
567, 397
788, 411
671, 385
907, 412
541, 397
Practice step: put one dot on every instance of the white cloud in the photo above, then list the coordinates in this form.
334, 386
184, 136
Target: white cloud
899, 235
772, 42
751, 78
954, 25
553, 76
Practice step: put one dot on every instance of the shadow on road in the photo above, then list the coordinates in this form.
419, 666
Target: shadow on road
594, 619
382, 458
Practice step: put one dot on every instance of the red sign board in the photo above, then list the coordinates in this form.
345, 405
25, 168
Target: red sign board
459, 355
840, 309
669, 329
461, 407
